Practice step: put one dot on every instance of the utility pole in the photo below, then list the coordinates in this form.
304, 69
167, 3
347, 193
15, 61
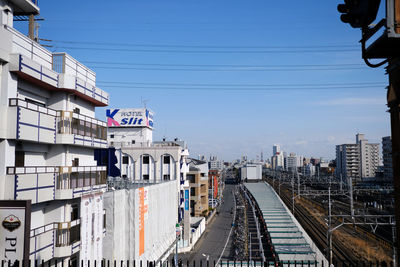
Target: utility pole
330, 254
393, 100
31, 32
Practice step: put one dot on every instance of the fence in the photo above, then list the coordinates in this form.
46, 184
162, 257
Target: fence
170, 263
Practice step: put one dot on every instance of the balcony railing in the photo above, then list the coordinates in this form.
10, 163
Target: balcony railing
53, 226
15, 102
68, 122
64, 63
76, 178
72, 123
31, 49
66, 236
32, 170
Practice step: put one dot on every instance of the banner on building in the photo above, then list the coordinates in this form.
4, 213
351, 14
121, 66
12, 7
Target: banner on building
215, 187
143, 216
138, 117
15, 219
91, 228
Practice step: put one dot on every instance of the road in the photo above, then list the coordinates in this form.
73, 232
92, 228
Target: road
213, 240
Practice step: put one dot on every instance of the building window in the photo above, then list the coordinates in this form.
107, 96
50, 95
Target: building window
111, 136
28, 100
74, 212
77, 110
104, 219
125, 160
146, 160
133, 142
75, 162
167, 177
145, 177
167, 159
191, 178
19, 159
192, 191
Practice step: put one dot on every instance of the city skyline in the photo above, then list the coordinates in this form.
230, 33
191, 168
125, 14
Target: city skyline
247, 83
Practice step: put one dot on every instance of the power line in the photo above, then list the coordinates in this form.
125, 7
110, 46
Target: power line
357, 84
219, 65
222, 67
237, 89
225, 70
205, 46
208, 51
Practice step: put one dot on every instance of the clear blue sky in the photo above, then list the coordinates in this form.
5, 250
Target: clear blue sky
230, 77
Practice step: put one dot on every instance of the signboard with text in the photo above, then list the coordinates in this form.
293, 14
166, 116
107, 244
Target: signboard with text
186, 199
133, 117
15, 220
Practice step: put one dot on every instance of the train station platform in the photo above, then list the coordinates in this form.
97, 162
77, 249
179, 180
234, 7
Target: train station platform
291, 242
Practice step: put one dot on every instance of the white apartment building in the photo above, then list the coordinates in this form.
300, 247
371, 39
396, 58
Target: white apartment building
358, 160
278, 162
215, 164
293, 162
251, 172
48, 132
387, 158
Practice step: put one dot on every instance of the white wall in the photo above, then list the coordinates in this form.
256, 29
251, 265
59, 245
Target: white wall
122, 212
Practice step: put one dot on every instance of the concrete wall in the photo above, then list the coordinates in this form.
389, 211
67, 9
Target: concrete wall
122, 240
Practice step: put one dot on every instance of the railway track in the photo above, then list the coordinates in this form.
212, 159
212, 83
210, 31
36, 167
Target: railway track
318, 233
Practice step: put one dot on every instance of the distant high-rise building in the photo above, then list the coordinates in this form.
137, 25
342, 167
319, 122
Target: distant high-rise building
358, 160
293, 161
278, 158
387, 158
276, 149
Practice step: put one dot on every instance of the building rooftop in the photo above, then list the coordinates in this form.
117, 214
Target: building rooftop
290, 241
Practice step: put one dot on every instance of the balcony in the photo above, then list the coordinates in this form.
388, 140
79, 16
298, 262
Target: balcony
58, 71
33, 123
68, 236
45, 125
74, 182
44, 183
77, 129
25, 7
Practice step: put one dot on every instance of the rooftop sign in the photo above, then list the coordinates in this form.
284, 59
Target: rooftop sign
138, 117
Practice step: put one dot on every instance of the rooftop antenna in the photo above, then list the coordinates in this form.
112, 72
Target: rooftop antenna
144, 102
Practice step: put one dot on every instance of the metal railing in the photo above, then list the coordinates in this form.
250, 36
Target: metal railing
72, 123
170, 263
71, 180
116, 184
67, 236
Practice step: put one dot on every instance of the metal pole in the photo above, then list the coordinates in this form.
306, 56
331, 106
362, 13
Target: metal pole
351, 197
329, 227
393, 100
292, 193
394, 245
298, 184
279, 187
